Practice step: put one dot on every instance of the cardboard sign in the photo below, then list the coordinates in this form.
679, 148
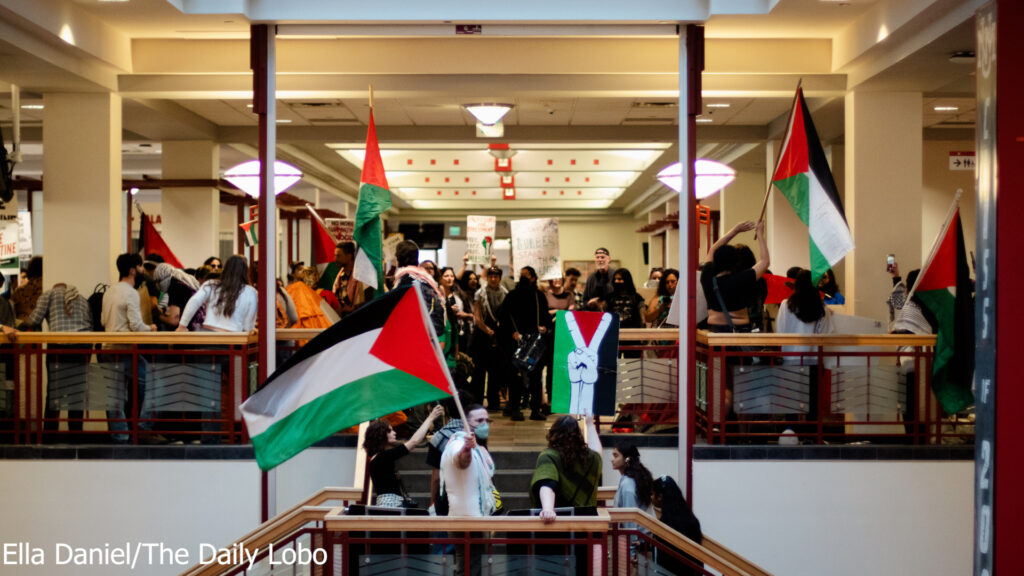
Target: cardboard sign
480, 239
390, 243
535, 244
341, 229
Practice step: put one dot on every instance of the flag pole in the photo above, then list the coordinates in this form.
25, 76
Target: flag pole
321, 221
778, 154
938, 239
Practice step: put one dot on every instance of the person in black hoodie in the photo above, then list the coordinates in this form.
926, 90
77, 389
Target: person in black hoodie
524, 313
625, 302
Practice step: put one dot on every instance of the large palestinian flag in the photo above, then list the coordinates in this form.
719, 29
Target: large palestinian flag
382, 358
585, 363
944, 286
803, 177
374, 200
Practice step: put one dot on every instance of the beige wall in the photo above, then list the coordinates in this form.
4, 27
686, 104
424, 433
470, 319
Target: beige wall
742, 201
577, 240
939, 187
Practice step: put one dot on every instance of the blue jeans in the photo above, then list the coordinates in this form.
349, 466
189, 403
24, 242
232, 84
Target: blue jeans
123, 367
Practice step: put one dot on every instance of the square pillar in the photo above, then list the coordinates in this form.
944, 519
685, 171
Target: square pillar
883, 194
191, 216
83, 223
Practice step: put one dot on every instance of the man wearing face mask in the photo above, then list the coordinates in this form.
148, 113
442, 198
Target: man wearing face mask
467, 470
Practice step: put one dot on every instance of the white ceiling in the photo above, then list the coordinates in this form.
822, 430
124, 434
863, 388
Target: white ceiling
186, 77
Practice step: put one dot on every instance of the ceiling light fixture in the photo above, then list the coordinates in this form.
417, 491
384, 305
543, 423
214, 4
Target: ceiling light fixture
704, 120
719, 105
488, 114
32, 106
962, 57
711, 177
946, 108
246, 176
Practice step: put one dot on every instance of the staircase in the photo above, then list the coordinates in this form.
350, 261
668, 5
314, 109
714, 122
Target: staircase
513, 470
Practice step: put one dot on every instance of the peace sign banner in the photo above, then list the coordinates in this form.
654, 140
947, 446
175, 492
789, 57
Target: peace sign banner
585, 360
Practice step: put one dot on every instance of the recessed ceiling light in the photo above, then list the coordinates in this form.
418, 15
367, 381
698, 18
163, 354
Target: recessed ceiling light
704, 120
946, 108
719, 105
32, 106
284, 121
248, 105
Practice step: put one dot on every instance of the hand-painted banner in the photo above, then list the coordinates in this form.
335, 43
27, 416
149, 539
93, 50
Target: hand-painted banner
340, 228
390, 243
585, 362
9, 235
480, 239
535, 244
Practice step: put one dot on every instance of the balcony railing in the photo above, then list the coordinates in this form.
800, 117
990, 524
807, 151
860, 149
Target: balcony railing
749, 388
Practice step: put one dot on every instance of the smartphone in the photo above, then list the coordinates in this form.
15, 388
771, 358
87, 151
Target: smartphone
890, 262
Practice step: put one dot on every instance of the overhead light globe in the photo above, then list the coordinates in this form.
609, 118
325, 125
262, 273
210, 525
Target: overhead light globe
488, 114
711, 177
246, 176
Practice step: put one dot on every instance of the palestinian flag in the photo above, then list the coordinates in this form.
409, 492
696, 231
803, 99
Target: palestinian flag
944, 287
803, 177
779, 288
382, 358
585, 362
374, 200
249, 233
151, 242
323, 251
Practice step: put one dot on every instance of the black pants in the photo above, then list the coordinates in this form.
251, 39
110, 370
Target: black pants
491, 365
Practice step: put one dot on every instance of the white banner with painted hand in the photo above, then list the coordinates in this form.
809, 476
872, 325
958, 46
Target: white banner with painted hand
480, 239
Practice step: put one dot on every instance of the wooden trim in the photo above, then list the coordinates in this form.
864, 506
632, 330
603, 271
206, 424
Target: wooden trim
597, 523
89, 338
772, 339
606, 493
721, 559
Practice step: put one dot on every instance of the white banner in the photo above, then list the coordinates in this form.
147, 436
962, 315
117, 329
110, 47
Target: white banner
480, 239
10, 232
535, 244
390, 243
340, 228
24, 234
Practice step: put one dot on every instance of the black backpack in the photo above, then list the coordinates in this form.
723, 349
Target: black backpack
96, 306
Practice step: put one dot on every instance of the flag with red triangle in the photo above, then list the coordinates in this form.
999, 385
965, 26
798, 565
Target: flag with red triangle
944, 287
802, 175
323, 251
374, 200
585, 363
150, 242
382, 358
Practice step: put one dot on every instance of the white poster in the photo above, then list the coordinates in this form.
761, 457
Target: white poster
24, 234
480, 239
340, 228
390, 243
535, 244
10, 232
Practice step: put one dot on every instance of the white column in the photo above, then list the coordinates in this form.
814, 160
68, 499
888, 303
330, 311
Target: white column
191, 216
883, 194
82, 222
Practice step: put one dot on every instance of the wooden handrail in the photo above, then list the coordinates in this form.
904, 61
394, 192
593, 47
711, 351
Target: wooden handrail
716, 556
90, 338
284, 524
772, 339
340, 522
606, 493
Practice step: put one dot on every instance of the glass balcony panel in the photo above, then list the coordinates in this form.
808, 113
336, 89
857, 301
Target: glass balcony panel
772, 389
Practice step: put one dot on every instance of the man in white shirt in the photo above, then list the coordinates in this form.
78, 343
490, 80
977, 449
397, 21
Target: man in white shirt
122, 313
467, 470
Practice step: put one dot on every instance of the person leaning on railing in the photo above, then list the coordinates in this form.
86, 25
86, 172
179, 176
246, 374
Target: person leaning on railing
569, 470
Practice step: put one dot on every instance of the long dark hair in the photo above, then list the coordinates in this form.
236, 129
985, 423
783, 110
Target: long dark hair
627, 280
565, 438
638, 472
232, 281
805, 302
376, 439
675, 512
663, 281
